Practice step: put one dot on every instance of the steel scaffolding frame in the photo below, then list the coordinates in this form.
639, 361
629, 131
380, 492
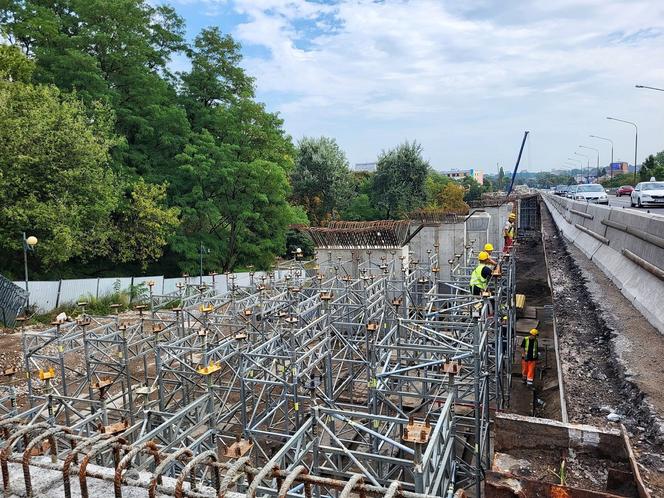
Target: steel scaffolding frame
385, 377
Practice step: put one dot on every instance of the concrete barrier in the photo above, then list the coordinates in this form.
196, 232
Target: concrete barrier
627, 245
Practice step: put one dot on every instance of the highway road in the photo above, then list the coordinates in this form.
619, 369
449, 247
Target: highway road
623, 201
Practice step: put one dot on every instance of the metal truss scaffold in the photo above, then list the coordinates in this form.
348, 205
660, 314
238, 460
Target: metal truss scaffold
308, 381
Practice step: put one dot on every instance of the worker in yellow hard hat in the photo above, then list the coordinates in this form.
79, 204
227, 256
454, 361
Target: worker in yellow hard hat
509, 232
529, 356
488, 248
479, 279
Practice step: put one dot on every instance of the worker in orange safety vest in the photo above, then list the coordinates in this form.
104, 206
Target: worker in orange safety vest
529, 356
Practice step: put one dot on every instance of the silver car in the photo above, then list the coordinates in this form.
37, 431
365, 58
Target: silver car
648, 193
571, 191
591, 192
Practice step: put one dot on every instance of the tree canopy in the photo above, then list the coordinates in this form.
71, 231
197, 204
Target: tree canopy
56, 181
399, 182
321, 179
653, 166
147, 164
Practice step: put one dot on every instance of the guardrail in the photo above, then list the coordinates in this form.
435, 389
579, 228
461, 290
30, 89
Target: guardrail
627, 245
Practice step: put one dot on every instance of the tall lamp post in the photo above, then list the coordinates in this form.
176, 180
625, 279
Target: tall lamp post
636, 140
650, 87
611, 142
575, 160
596, 150
587, 164
29, 244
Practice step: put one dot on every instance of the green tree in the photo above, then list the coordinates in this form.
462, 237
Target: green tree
361, 207
450, 199
501, 179
237, 209
232, 182
56, 183
399, 181
434, 185
142, 223
216, 76
472, 188
111, 51
54, 176
321, 179
14, 66
652, 166
647, 168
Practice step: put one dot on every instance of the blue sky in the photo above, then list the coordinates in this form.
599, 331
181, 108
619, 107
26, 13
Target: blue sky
464, 78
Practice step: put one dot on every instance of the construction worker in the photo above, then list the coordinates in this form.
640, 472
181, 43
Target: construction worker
479, 279
529, 355
509, 231
488, 248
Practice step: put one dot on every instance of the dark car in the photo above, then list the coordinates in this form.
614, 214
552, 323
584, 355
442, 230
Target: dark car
624, 190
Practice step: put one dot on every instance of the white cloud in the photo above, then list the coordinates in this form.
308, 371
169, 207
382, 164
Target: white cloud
363, 70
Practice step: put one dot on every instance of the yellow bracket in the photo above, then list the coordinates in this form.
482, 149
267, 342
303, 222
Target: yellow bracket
206, 308
46, 374
210, 369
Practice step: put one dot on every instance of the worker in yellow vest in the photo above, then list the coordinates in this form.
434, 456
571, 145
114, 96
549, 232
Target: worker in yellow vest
509, 232
488, 248
479, 279
529, 356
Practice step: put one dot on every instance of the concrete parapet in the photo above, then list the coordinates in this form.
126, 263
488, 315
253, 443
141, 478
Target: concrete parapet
631, 252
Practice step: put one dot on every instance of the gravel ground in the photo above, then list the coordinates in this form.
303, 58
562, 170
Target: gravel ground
611, 356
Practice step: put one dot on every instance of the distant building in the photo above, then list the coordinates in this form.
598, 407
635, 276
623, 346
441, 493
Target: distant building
368, 167
459, 174
620, 168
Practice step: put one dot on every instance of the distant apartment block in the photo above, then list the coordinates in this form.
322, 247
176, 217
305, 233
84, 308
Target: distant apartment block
368, 167
459, 174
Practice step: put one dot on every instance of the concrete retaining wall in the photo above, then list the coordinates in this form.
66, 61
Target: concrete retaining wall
484, 225
609, 236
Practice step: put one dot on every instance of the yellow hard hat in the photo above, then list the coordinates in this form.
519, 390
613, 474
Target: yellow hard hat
483, 256
534, 331
512, 216
488, 247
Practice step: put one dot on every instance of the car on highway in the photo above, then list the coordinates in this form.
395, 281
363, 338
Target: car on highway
591, 192
624, 190
560, 189
571, 190
647, 193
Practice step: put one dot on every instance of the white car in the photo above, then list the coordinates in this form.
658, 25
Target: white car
648, 193
591, 192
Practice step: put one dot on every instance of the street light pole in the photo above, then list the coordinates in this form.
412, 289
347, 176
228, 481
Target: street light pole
650, 87
587, 165
29, 244
636, 140
596, 150
576, 161
611, 142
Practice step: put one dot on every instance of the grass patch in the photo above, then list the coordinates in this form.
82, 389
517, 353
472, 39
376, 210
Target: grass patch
98, 306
